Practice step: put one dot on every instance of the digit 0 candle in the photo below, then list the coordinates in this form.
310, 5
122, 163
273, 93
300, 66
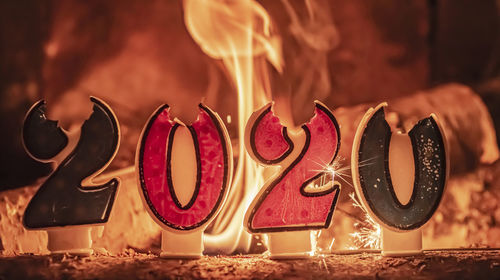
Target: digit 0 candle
292, 202
399, 178
64, 206
184, 174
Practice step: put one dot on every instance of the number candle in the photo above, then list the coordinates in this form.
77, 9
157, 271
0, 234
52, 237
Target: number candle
184, 174
399, 178
68, 203
288, 206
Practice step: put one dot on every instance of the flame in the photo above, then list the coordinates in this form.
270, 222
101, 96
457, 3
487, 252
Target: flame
229, 29
238, 32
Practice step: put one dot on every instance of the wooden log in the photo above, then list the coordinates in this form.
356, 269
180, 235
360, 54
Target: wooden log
465, 119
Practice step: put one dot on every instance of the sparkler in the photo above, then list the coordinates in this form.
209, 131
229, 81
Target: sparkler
369, 234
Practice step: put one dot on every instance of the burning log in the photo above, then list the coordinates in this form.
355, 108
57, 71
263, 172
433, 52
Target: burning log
472, 143
466, 121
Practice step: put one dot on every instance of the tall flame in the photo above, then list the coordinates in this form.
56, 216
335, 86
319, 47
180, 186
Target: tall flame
239, 33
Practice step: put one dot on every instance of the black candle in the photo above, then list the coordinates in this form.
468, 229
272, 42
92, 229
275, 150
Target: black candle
62, 200
372, 176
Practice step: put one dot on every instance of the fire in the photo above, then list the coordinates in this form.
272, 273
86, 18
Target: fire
233, 30
238, 32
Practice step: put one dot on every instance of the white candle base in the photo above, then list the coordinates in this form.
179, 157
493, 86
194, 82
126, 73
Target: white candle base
74, 240
290, 245
398, 244
181, 245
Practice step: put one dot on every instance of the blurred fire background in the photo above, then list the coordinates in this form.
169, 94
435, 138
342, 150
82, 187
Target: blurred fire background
421, 56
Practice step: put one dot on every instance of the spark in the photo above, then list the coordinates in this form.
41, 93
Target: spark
337, 170
369, 232
326, 266
333, 170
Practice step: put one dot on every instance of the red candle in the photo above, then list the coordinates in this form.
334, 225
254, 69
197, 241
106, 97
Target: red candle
288, 202
205, 155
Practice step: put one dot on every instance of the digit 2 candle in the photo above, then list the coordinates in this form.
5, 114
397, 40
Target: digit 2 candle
62, 206
184, 174
399, 178
291, 203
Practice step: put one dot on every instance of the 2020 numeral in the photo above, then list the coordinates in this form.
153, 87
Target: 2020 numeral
213, 163
62, 200
287, 201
